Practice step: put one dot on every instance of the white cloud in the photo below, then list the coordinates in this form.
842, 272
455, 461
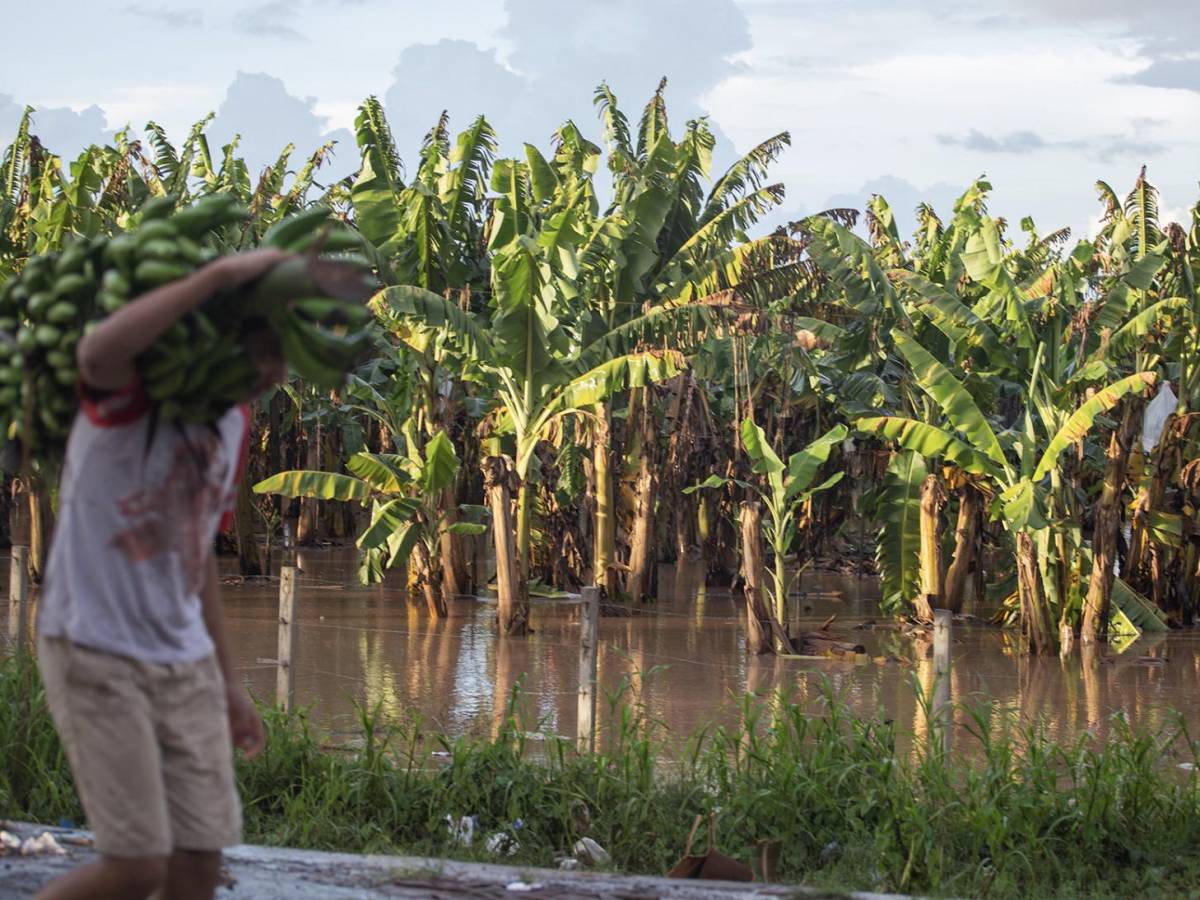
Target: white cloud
259, 108
174, 105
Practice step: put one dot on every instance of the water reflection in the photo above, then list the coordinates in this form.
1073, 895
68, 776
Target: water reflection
681, 661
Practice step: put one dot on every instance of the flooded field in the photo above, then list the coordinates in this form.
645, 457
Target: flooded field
680, 660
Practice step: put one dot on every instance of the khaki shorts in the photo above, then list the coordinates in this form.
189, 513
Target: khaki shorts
149, 747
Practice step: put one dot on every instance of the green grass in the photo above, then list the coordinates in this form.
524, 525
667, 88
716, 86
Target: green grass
1007, 815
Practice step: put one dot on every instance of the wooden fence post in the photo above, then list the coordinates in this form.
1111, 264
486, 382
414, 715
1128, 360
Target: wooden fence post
942, 629
285, 672
18, 596
588, 640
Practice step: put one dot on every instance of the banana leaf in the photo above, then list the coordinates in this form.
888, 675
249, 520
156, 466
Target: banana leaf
318, 485
956, 403
899, 547
1132, 613
1084, 418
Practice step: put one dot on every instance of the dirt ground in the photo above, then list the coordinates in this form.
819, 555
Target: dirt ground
268, 873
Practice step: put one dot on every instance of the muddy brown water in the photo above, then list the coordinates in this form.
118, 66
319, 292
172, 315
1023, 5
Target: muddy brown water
681, 661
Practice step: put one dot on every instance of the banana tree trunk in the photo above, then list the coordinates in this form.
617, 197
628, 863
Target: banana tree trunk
524, 532
306, 527
250, 562
1105, 533
1149, 498
604, 531
429, 582
512, 610
932, 589
455, 580
758, 617
642, 545
965, 531
1035, 618
335, 517
41, 524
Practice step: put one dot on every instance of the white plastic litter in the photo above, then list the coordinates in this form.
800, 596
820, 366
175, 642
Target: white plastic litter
502, 843
523, 887
463, 830
1155, 416
568, 865
589, 853
42, 845
9, 842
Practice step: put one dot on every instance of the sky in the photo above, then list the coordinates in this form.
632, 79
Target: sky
912, 100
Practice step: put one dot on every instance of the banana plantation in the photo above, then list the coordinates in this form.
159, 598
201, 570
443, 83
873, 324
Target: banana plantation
592, 358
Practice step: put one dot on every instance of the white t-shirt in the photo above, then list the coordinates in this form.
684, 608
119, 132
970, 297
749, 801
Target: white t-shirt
135, 526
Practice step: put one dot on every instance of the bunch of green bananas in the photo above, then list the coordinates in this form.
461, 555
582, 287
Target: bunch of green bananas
314, 303
199, 368
42, 313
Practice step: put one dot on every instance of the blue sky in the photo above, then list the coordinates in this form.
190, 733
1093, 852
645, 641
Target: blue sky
912, 100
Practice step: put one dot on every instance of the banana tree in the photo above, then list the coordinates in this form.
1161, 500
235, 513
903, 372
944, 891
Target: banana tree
666, 254
968, 441
429, 233
786, 489
534, 386
405, 494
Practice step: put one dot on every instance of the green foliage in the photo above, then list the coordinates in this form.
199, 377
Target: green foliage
899, 546
1014, 815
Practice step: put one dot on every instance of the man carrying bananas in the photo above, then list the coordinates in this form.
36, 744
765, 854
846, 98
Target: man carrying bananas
132, 643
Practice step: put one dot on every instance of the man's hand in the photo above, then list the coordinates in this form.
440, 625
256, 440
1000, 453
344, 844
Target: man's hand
245, 724
240, 268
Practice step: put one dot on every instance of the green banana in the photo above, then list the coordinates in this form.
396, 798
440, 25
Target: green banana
166, 388
208, 214
161, 249
115, 283
158, 366
62, 312
48, 335
120, 252
158, 229
152, 273
287, 233
158, 207
110, 302
71, 285
72, 259
38, 304
327, 240
189, 251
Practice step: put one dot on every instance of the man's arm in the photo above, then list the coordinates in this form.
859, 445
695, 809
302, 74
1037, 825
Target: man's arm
106, 355
244, 722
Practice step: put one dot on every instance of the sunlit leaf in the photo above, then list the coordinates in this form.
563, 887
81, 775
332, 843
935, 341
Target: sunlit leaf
318, 485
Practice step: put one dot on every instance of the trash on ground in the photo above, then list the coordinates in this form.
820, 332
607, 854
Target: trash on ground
589, 853
462, 830
711, 864
502, 843
43, 844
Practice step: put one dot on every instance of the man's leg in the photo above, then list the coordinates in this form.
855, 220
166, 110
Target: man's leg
192, 875
109, 878
102, 714
198, 774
